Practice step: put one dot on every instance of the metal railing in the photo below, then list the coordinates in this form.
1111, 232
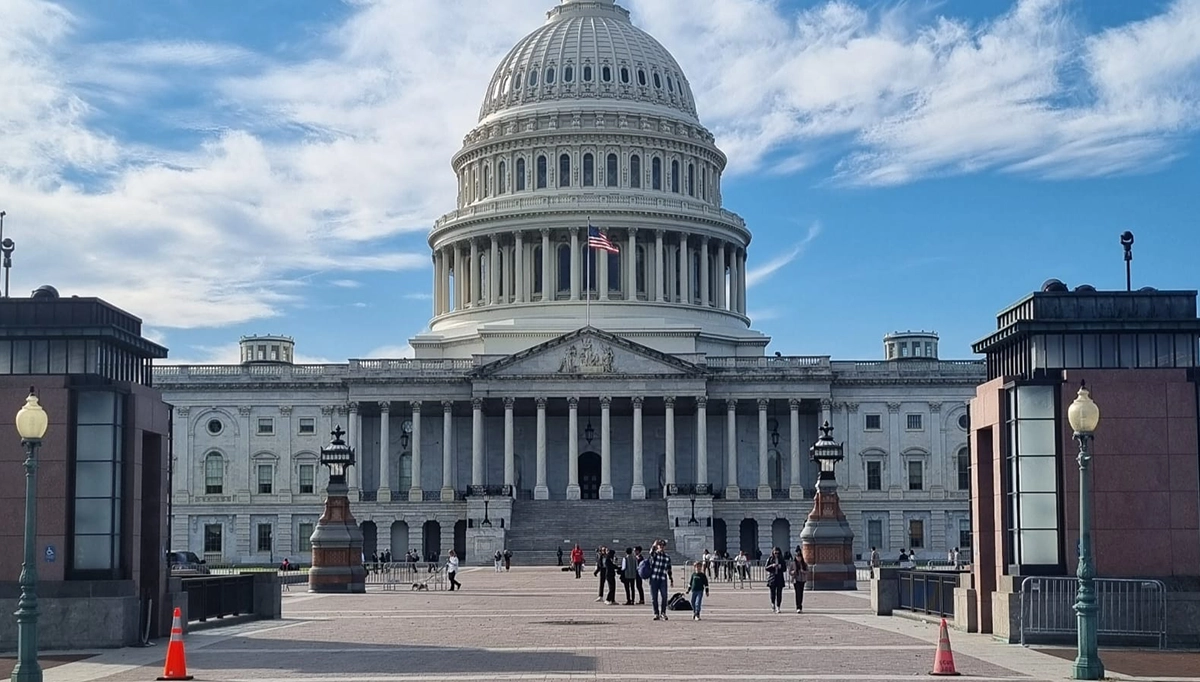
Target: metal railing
217, 596
930, 592
392, 576
1130, 611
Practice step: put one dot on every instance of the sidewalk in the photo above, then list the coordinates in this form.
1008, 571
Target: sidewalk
543, 624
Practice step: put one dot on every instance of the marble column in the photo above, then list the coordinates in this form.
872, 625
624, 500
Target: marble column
742, 285
493, 296
796, 489
685, 281
477, 441
541, 491
702, 440
356, 443
722, 282
606, 489
895, 464
385, 453
670, 437
658, 265
548, 287
630, 261
731, 473
826, 410
459, 279
705, 272
518, 272
416, 492
764, 480
601, 272
447, 451
437, 285
638, 490
510, 469
474, 269
572, 448
576, 274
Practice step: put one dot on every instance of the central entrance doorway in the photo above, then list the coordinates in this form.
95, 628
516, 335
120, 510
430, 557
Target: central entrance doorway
589, 476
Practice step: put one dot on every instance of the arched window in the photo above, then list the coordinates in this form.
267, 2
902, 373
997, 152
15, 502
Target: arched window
610, 173
564, 268
691, 179
478, 189
568, 74
625, 74
589, 170
541, 172
641, 270
405, 472
532, 77
517, 81
656, 173
564, 170
704, 182
502, 178
606, 74
675, 177
587, 73
214, 474
520, 175
537, 270
658, 81
487, 181
641, 78
670, 84
614, 271
550, 76
635, 171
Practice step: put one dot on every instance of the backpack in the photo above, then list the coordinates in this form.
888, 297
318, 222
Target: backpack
643, 569
678, 602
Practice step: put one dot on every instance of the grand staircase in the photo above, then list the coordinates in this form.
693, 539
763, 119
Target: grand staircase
540, 527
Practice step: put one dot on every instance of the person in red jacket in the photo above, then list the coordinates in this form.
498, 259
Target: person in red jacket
577, 560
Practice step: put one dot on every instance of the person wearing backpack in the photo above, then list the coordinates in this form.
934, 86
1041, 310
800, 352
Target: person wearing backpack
799, 572
638, 562
776, 568
660, 575
629, 575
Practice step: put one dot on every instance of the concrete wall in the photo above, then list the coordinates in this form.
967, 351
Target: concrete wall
78, 615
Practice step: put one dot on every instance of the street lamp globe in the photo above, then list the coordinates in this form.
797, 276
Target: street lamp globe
31, 419
1083, 414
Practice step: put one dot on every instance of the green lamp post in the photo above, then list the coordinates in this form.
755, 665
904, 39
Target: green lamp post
31, 426
1084, 416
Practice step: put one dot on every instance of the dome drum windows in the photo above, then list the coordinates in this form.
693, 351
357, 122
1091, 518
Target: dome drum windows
587, 73
675, 177
635, 171
520, 175
589, 170
642, 77
657, 81
625, 75
691, 180
611, 171
656, 173
606, 73
502, 178
541, 172
564, 170
550, 76
533, 78
568, 74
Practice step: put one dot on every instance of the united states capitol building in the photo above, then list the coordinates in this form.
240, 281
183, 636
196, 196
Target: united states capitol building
564, 393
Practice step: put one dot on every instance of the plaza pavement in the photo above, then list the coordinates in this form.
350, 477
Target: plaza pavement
542, 624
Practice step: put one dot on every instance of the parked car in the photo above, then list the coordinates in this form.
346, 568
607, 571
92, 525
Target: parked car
186, 563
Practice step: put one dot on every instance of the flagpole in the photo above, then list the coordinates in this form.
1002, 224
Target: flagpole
587, 269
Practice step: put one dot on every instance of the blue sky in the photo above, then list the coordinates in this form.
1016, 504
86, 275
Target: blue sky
222, 168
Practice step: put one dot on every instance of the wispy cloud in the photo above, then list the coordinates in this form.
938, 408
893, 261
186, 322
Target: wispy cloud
418, 297
228, 354
391, 352
762, 272
764, 315
346, 283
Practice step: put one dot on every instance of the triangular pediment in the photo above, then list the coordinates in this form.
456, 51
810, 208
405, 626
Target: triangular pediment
589, 352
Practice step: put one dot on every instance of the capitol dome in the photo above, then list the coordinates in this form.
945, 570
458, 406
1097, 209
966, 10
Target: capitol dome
588, 50
589, 194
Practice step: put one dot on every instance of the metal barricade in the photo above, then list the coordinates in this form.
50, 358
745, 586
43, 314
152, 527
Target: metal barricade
1130, 611
217, 596
930, 592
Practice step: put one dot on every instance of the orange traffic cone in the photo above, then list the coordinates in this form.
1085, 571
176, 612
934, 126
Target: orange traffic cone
943, 661
176, 667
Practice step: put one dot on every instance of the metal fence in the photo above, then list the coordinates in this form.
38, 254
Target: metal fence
1130, 611
394, 575
929, 592
740, 576
217, 596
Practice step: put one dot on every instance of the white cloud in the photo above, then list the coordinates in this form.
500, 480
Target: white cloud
346, 283
390, 352
229, 354
761, 273
419, 297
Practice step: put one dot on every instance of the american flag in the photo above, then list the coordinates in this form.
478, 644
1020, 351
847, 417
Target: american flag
598, 240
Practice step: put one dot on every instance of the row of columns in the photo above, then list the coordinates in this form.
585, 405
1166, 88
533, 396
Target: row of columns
458, 271
541, 490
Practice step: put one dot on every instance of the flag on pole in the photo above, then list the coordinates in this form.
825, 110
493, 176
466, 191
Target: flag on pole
598, 240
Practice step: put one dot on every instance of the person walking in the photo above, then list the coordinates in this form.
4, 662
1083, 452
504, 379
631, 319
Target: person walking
799, 573
637, 562
560, 563
496, 558
660, 575
610, 576
629, 575
698, 587
776, 570
452, 571
599, 572
577, 560
507, 559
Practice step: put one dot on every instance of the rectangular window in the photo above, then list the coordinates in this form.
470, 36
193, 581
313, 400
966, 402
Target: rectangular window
914, 422
916, 475
212, 538
308, 425
874, 475
964, 469
264, 537
266, 479
214, 475
266, 426
874, 422
308, 474
304, 532
97, 508
916, 533
1031, 477
875, 533
964, 534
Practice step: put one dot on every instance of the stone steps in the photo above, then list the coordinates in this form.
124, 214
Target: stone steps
540, 527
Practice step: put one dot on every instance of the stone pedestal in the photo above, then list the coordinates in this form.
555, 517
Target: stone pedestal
690, 540
337, 544
828, 541
487, 531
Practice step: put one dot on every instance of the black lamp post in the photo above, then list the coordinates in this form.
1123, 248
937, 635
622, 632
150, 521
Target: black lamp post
404, 441
486, 522
6, 248
692, 521
337, 541
1084, 417
826, 452
31, 426
1127, 244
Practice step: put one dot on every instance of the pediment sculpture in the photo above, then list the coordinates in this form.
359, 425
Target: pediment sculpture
586, 357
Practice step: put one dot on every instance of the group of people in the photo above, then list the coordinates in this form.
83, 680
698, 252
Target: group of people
634, 568
502, 560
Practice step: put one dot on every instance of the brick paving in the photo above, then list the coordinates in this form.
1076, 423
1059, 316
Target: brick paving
541, 624
1142, 663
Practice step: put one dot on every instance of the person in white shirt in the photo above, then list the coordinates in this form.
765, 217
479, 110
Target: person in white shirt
740, 562
452, 571
706, 558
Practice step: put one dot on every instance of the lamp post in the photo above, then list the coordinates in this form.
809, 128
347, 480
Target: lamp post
487, 501
827, 541
337, 541
693, 522
1084, 416
31, 426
